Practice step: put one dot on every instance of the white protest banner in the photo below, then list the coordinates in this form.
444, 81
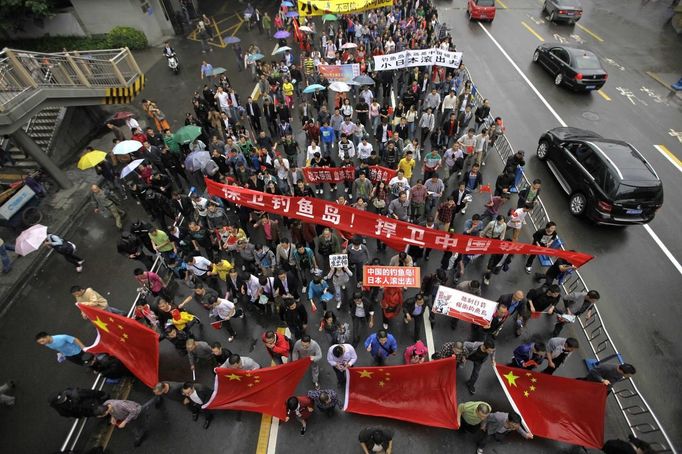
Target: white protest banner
464, 306
338, 260
417, 57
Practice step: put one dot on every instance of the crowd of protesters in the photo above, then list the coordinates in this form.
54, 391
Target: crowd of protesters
240, 263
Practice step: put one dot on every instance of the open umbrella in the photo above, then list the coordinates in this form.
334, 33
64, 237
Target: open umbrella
91, 159
130, 168
313, 88
281, 50
127, 146
341, 87
30, 239
292, 14
349, 46
364, 79
187, 134
329, 18
196, 160
352, 82
287, 4
217, 71
282, 34
122, 115
254, 57
231, 40
305, 28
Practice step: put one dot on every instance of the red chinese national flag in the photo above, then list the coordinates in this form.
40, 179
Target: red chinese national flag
485, 188
135, 345
261, 391
419, 393
558, 408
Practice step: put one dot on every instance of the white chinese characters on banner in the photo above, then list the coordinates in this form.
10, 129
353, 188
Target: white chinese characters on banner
417, 57
338, 260
464, 306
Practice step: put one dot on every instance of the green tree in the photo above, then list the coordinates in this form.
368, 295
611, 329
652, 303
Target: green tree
15, 13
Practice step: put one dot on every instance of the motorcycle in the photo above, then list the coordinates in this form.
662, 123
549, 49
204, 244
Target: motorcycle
173, 62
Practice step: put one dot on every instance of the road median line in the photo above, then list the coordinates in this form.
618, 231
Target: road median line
530, 29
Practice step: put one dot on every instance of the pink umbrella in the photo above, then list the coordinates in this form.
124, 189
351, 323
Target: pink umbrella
30, 239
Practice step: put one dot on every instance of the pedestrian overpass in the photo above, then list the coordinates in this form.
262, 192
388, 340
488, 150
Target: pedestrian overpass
33, 81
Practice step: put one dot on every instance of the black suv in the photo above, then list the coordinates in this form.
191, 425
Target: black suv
608, 181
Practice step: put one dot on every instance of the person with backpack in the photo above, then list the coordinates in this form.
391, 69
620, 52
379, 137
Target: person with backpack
66, 248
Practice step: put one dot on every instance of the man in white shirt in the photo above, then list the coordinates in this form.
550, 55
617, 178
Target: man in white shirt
341, 357
222, 99
399, 184
449, 104
224, 310
364, 150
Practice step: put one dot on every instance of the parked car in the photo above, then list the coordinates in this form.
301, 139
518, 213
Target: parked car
576, 68
608, 181
563, 10
481, 9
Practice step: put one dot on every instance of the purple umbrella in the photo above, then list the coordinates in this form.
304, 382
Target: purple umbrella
292, 14
282, 34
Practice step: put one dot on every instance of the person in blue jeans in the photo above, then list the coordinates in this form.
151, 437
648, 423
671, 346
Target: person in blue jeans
381, 345
326, 139
6, 261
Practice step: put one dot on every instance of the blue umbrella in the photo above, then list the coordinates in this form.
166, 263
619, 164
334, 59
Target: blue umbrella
282, 34
313, 88
292, 14
231, 40
287, 4
254, 57
364, 79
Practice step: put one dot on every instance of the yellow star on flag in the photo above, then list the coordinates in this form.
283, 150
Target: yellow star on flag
100, 324
511, 378
528, 374
125, 335
122, 339
120, 327
526, 393
381, 383
533, 380
532, 388
234, 377
250, 385
365, 374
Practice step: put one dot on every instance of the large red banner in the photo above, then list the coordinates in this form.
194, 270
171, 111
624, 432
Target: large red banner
318, 175
365, 223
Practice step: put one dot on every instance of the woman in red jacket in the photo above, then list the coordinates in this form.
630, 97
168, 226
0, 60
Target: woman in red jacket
391, 303
277, 345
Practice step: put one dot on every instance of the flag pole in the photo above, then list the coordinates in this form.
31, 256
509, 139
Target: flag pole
511, 401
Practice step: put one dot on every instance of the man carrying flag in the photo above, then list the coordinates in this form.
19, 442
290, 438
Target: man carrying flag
497, 426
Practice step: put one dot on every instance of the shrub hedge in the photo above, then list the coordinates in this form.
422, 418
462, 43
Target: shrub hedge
118, 37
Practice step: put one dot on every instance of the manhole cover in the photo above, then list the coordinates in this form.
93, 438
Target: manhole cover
590, 116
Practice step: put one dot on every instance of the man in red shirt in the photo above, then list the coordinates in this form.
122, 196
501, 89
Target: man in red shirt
277, 345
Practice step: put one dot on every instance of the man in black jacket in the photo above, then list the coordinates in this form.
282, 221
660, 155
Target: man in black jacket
197, 395
362, 315
295, 316
77, 402
253, 111
413, 309
516, 303
286, 283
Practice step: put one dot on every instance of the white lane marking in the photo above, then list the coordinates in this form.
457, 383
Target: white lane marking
663, 247
428, 332
648, 229
272, 439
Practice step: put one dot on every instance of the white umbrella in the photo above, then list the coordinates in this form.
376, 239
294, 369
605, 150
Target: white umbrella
127, 146
130, 168
30, 239
341, 87
306, 29
349, 46
281, 50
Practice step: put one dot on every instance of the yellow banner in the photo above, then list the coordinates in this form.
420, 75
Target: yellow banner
321, 7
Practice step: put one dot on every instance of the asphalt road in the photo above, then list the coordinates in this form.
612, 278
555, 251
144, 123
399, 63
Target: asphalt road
637, 281
639, 312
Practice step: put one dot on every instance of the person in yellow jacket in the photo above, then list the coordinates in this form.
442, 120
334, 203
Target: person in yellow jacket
220, 269
288, 90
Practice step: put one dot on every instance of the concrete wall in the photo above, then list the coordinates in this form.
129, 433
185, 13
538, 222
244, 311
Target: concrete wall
78, 128
64, 23
100, 16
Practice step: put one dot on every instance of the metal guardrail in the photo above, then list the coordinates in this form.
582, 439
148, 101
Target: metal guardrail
638, 415
24, 72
